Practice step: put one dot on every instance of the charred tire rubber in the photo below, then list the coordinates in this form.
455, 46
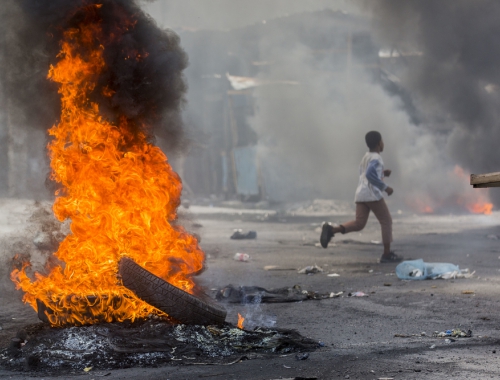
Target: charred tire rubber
177, 303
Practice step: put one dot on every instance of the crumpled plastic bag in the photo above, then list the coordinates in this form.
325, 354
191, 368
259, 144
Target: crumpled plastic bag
420, 270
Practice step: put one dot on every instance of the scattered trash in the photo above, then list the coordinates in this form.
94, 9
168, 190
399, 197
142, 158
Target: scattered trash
455, 333
357, 294
240, 235
387, 284
275, 267
448, 341
333, 275
432, 347
419, 270
492, 237
468, 292
241, 257
87, 369
255, 294
409, 335
377, 242
370, 271
335, 295
311, 269
285, 366
302, 356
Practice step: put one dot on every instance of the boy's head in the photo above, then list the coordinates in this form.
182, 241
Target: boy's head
374, 141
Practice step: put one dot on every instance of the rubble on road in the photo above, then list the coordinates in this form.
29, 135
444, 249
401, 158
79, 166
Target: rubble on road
255, 294
146, 343
238, 234
311, 269
455, 333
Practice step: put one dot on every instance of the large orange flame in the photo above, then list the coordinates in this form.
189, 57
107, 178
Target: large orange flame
119, 192
477, 202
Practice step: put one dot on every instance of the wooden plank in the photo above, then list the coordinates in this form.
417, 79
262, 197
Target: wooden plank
487, 178
484, 185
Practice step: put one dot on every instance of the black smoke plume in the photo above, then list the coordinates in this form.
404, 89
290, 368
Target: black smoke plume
456, 79
148, 92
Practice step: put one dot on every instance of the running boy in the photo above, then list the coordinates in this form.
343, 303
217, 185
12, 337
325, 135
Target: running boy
369, 197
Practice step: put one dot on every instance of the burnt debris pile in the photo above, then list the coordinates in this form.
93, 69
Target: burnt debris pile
146, 343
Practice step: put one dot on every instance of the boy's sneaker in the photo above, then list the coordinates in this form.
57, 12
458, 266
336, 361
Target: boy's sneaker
326, 234
392, 258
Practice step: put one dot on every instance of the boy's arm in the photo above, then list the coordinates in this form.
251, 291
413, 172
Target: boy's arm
373, 177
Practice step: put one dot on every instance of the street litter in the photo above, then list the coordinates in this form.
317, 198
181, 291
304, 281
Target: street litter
302, 356
409, 335
357, 294
335, 295
468, 292
333, 275
432, 347
255, 294
419, 270
240, 235
377, 242
241, 257
455, 333
311, 269
275, 267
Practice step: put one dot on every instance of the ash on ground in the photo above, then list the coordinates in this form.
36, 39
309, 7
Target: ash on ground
149, 343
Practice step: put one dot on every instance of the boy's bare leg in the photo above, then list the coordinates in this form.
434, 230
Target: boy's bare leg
328, 230
383, 215
362, 213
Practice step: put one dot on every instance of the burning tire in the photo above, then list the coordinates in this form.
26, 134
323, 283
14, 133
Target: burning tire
177, 303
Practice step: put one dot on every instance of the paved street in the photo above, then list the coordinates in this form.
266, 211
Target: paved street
358, 332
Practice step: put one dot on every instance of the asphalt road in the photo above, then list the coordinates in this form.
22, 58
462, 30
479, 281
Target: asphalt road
358, 332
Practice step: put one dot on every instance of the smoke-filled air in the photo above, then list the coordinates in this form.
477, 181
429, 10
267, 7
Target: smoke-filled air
329, 72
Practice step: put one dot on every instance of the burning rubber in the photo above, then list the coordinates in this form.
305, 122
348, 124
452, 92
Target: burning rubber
178, 304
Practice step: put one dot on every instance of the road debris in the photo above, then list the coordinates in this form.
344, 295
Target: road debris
357, 294
333, 275
311, 269
256, 294
455, 333
238, 234
468, 292
241, 257
419, 270
276, 268
302, 356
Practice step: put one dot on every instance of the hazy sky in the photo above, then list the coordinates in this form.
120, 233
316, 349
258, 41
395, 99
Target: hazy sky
228, 14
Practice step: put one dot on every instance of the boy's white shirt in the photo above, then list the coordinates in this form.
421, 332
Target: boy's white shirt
366, 192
